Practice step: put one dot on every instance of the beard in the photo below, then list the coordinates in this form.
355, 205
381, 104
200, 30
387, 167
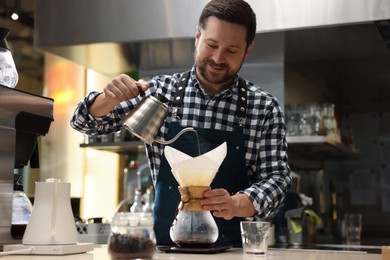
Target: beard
227, 76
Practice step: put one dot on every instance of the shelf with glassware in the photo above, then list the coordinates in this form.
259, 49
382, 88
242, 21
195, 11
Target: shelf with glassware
313, 133
320, 147
122, 142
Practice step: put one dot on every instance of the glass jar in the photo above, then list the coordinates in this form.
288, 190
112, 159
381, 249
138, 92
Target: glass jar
8, 73
21, 210
132, 236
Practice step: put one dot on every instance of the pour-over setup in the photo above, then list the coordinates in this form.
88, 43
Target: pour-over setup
193, 226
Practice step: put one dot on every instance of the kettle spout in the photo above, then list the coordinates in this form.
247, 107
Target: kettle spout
187, 129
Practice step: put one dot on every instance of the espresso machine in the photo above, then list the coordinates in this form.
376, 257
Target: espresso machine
23, 118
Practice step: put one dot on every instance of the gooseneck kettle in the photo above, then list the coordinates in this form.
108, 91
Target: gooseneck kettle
146, 119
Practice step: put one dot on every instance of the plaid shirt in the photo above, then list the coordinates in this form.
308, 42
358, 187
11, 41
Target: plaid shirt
264, 131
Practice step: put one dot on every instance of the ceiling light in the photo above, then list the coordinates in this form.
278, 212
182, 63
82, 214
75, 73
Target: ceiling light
15, 16
16, 12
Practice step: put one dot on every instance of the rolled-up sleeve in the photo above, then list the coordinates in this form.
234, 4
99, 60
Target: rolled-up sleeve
85, 123
272, 171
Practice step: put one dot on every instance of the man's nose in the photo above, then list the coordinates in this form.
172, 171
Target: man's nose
218, 56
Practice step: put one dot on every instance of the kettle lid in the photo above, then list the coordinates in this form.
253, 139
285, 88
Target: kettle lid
3, 35
17, 185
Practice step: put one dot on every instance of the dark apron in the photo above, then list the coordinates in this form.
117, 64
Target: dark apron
230, 176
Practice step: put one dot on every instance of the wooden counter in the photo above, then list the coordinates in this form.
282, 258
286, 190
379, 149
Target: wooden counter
231, 254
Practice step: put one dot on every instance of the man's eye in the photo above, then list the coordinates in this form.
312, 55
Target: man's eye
232, 51
213, 46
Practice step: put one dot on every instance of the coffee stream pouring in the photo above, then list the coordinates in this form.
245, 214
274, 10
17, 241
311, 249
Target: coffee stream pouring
193, 226
145, 120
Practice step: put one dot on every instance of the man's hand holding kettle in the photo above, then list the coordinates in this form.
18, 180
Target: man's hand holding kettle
120, 88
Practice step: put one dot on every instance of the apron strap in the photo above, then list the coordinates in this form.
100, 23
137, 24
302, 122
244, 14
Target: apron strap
178, 100
241, 103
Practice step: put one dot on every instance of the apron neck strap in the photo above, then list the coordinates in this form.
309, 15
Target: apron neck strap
242, 101
178, 100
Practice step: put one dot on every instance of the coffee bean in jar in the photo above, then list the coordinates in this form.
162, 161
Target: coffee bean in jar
132, 236
131, 247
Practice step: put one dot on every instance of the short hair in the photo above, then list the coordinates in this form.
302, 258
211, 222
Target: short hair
233, 11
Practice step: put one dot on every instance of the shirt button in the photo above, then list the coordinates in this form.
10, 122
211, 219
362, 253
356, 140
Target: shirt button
237, 147
170, 187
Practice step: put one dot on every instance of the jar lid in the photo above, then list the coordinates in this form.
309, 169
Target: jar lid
132, 219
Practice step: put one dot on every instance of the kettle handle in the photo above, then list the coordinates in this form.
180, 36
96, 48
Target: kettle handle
160, 97
140, 90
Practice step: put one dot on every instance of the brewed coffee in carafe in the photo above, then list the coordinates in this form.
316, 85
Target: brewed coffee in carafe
193, 226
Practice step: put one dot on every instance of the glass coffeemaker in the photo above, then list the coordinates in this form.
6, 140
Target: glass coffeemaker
193, 226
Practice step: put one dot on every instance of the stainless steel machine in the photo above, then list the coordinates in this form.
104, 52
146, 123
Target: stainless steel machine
23, 118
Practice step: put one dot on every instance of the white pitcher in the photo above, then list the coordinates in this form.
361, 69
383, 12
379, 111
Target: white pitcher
52, 221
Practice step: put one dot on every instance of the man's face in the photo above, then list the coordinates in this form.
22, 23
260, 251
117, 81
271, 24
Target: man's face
220, 50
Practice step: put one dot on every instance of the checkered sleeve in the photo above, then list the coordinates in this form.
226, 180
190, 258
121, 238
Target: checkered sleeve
271, 171
85, 123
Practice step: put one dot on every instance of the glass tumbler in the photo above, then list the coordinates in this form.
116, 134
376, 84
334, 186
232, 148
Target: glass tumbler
353, 228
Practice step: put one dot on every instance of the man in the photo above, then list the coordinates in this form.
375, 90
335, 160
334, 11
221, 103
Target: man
254, 177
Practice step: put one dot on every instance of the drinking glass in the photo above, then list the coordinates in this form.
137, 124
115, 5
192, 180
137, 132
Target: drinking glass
254, 236
353, 228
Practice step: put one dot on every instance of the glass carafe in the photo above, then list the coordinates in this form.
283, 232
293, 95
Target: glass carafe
8, 73
21, 210
193, 226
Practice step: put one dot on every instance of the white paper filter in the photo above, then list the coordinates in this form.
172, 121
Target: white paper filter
195, 171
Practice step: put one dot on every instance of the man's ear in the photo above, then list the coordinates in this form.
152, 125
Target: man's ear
197, 31
248, 49
197, 35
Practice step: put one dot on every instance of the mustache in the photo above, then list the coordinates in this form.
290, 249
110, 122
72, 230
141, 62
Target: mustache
217, 65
